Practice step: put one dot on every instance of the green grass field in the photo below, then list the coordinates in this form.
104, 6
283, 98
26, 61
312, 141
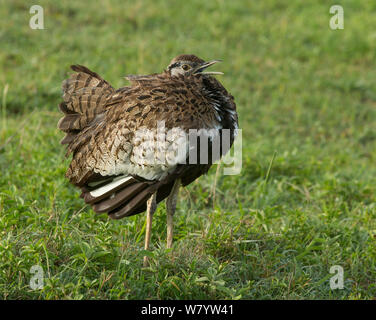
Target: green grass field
303, 91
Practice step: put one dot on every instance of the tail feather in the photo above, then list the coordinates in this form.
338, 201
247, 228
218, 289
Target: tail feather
92, 196
136, 205
84, 97
124, 196
69, 122
119, 199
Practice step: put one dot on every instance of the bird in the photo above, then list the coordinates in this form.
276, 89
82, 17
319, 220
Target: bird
113, 134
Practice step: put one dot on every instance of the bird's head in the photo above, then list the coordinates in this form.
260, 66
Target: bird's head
189, 64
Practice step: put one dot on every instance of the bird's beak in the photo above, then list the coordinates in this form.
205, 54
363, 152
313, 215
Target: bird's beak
200, 69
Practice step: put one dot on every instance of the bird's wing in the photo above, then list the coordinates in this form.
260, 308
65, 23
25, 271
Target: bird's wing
116, 144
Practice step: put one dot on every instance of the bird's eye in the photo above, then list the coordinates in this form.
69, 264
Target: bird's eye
185, 67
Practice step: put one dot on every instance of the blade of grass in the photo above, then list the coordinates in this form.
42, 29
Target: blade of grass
269, 170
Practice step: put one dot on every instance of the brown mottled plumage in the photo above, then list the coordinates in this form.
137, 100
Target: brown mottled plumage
101, 124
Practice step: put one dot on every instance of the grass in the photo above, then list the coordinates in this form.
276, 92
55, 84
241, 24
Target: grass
304, 201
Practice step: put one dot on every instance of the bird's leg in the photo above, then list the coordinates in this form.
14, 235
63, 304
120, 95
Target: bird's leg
151, 206
171, 206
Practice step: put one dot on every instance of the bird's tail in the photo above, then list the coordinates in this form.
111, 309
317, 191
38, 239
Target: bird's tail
123, 195
84, 96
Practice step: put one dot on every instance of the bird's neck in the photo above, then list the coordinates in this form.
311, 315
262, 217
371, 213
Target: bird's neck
222, 104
